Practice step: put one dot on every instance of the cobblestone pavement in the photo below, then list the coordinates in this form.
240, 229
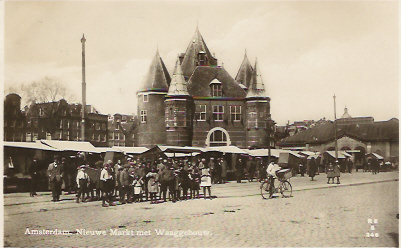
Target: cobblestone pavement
317, 215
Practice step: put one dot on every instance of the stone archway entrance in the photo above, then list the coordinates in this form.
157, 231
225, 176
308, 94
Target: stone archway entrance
218, 137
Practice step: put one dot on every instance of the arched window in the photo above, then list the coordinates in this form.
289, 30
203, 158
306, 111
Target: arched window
218, 137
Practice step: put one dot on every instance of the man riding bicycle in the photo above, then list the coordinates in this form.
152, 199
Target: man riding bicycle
271, 173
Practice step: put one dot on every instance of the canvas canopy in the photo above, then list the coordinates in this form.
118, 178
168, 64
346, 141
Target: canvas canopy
77, 146
227, 149
264, 152
29, 145
341, 154
377, 156
130, 150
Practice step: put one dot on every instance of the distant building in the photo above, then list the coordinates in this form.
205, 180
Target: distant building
202, 104
62, 121
361, 134
121, 130
14, 119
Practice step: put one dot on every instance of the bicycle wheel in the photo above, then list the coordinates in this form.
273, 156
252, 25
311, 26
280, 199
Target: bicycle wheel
264, 189
286, 189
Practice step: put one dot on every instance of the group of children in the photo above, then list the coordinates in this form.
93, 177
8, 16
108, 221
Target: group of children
133, 182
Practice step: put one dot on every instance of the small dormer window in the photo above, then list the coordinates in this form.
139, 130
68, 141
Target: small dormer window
216, 88
202, 58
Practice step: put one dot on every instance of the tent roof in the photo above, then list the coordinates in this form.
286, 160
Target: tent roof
130, 150
376, 155
228, 149
263, 152
78, 146
180, 155
341, 154
29, 145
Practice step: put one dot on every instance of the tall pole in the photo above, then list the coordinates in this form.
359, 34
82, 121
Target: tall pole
269, 139
335, 129
83, 89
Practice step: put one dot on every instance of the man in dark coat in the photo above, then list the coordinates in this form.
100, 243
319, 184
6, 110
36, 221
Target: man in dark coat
239, 170
55, 172
125, 182
312, 168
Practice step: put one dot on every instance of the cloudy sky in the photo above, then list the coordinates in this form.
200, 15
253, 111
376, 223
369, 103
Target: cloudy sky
307, 51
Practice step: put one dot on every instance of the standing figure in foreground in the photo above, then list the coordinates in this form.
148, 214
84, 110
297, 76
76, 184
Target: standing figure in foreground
330, 173
152, 185
206, 181
337, 172
312, 168
55, 171
106, 177
82, 183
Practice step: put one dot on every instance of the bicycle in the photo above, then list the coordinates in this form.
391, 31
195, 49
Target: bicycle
284, 186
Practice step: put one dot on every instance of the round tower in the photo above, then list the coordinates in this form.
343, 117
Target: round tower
151, 126
258, 113
178, 110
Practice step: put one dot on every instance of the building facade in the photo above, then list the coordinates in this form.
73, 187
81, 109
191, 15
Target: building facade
353, 134
202, 104
14, 119
121, 130
60, 120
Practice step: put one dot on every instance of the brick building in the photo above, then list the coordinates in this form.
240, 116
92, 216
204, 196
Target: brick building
60, 120
14, 119
361, 134
121, 130
202, 104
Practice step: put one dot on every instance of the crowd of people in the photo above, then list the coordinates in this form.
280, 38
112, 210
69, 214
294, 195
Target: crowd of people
141, 180
160, 179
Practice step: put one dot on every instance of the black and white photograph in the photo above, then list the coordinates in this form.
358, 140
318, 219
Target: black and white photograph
200, 123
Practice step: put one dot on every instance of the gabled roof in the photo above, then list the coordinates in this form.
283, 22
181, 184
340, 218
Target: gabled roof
157, 78
244, 74
196, 45
256, 88
198, 84
178, 86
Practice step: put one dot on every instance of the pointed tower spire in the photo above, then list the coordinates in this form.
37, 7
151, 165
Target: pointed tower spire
178, 86
256, 87
157, 78
244, 74
197, 54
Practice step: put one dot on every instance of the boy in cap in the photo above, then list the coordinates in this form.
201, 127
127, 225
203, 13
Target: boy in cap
82, 182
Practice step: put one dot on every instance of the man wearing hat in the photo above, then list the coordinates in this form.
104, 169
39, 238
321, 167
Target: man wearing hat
82, 182
125, 183
55, 172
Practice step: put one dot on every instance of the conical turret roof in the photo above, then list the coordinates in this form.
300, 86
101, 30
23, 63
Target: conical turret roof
190, 62
244, 74
256, 88
178, 86
157, 78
